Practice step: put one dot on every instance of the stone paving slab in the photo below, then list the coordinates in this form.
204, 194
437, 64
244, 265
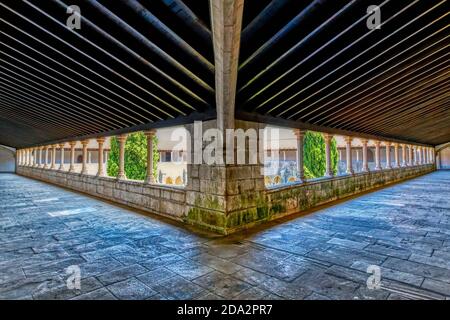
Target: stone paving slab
403, 229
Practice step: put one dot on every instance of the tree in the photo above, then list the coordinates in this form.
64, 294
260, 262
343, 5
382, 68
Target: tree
135, 156
314, 155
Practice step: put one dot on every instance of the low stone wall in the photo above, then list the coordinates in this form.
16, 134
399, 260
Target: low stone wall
238, 211
162, 200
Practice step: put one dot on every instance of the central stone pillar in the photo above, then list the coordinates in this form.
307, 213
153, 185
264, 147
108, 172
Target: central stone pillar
328, 165
40, 157
348, 150
150, 179
122, 139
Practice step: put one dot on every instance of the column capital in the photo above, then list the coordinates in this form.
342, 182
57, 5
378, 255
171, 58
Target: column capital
348, 139
299, 132
387, 143
377, 142
122, 137
364, 141
327, 136
101, 139
72, 144
150, 133
85, 142
62, 145
395, 144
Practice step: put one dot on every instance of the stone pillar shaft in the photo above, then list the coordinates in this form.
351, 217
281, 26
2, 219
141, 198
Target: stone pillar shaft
150, 178
53, 164
300, 134
388, 155
404, 162
122, 139
328, 165
348, 151
410, 155
72, 156
100, 142
396, 156
365, 166
61, 165
84, 169
377, 155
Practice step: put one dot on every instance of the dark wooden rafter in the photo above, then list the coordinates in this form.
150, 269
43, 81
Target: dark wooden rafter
146, 64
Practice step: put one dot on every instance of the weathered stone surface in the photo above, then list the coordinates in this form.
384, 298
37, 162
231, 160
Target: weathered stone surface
404, 229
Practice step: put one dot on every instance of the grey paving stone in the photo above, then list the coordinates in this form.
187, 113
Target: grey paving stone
437, 286
121, 274
99, 294
189, 269
320, 256
131, 289
222, 285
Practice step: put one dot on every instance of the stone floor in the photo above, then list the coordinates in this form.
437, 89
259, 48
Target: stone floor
403, 229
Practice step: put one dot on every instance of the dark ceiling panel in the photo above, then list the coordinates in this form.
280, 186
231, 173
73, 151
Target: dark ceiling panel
144, 63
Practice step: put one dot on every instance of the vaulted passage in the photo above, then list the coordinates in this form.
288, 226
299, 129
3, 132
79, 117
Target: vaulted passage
220, 122
404, 229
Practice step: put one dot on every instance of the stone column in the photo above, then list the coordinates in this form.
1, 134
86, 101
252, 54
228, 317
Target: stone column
328, 164
404, 162
150, 178
410, 156
61, 165
46, 157
348, 151
35, 163
418, 155
53, 164
84, 169
72, 145
40, 157
396, 156
365, 166
100, 142
27, 157
122, 139
377, 155
422, 155
388, 155
300, 134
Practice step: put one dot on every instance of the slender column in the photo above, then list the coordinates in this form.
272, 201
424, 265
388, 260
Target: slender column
84, 169
348, 150
328, 165
300, 134
53, 161
419, 156
40, 157
388, 155
396, 156
425, 155
61, 165
422, 155
410, 156
34, 163
404, 162
46, 157
122, 139
377, 155
30, 157
150, 178
72, 145
365, 166
100, 142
